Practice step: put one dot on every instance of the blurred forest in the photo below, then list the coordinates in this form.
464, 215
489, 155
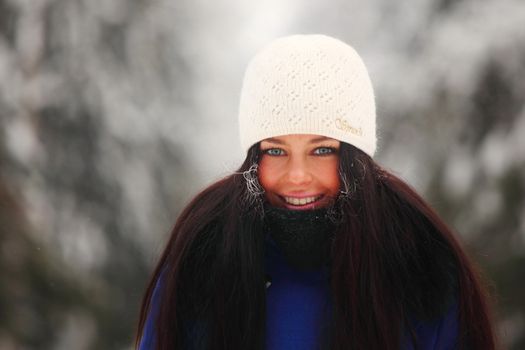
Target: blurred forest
113, 113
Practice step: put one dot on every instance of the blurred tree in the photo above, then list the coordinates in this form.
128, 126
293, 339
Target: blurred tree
36, 291
90, 180
489, 211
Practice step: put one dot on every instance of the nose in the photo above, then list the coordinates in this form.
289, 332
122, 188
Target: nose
298, 171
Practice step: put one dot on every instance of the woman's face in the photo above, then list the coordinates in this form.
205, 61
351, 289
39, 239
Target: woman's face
300, 171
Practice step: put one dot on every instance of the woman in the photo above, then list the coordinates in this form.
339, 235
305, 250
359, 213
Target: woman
311, 244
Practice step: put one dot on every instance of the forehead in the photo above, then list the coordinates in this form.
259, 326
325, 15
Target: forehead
299, 138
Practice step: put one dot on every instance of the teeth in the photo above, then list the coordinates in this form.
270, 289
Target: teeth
300, 201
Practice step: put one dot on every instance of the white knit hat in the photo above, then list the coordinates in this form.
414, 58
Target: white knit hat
308, 84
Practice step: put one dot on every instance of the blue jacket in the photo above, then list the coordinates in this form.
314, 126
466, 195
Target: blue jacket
298, 306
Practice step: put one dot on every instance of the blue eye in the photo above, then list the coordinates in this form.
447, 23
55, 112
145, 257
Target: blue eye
324, 150
274, 151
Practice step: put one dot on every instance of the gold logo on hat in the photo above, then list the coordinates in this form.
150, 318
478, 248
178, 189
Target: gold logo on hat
342, 124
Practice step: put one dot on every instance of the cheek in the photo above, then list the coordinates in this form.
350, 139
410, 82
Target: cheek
335, 185
331, 179
266, 175
268, 179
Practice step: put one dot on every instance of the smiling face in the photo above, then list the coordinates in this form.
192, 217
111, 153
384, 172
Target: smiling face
299, 172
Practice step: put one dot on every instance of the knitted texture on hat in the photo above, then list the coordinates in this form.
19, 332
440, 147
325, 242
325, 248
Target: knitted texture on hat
308, 84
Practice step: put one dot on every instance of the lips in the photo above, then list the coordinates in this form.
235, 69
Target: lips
301, 201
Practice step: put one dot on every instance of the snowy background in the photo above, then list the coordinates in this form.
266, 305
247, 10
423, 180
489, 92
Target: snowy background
114, 113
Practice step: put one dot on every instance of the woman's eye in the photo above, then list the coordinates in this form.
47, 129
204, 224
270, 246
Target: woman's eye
274, 151
324, 150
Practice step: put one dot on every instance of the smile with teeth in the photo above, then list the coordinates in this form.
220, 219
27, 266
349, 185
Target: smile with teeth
301, 201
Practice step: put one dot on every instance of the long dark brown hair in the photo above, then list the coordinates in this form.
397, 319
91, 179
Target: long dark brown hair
393, 260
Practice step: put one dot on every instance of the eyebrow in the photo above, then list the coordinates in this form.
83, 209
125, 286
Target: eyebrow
316, 140
321, 138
